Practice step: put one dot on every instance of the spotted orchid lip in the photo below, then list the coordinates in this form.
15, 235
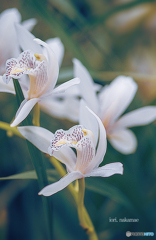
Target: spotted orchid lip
79, 138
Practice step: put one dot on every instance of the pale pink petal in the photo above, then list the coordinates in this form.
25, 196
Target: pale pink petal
86, 85
138, 117
25, 110
107, 170
123, 140
63, 87
39, 82
61, 184
53, 67
115, 98
57, 47
85, 153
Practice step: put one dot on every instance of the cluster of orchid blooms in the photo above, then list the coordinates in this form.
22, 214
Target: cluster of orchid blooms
97, 109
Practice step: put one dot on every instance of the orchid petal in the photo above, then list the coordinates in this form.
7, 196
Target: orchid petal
57, 47
62, 88
85, 153
25, 110
25, 39
66, 138
107, 170
29, 24
115, 98
15, 68
138, 117
41, 138
64, 109
8, 40
88, 120
61, 184
38, 136
123, 140
53, 67
102, 145
86, 85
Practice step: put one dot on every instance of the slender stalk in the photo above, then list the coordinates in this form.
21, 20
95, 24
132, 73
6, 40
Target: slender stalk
36, 115
84, 217
13, 130
80, 203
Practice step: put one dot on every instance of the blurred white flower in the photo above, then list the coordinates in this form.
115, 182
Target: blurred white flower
88, 159
109, 104
43, 73
9, 46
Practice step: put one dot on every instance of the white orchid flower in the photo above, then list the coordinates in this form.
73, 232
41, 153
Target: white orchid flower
109, 104
9, 46
43, 73
88, 159
63, 105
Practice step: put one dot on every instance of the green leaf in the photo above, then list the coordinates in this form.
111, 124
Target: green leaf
107, 190
24, 175
52, 175
38, 162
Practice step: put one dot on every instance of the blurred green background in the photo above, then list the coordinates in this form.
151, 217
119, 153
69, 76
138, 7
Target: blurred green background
110, 37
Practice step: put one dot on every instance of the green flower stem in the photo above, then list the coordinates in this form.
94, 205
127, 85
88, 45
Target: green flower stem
13, 130
36, 115
83, 215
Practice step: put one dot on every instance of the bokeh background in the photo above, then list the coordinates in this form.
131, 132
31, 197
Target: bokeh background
110, 37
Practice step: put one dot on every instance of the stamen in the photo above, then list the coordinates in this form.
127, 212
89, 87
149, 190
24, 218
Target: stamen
85, 131
40, 57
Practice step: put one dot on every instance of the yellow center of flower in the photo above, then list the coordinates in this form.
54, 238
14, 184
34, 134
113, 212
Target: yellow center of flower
40, 57
62, 141
17, 70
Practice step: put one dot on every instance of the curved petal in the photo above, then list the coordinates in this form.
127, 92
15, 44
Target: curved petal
41, 138
38, 136
53, 67
25, 39
86, 86
67, 108
29, 24
57, 47
62, 88
107, 170
61, 184
88, 120
115, 98
123, 140
102, 145
25, 110
138, 117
